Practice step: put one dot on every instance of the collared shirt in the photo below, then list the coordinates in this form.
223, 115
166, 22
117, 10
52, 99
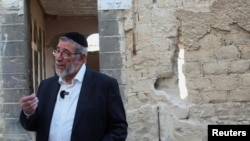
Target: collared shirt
65, 108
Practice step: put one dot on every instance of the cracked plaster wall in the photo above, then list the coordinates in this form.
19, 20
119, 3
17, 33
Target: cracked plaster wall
214, 37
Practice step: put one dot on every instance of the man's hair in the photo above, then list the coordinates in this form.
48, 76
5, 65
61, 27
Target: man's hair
79, 48
77, 37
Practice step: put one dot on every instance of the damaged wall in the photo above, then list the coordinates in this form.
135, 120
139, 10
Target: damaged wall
187, 67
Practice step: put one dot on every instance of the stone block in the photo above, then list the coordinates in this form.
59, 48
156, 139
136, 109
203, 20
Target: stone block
15, 137
239, 66
225, 82
12, 18
13, 95
11, 110
12, 32
245, 51
15, 48
109, 43
14, 64
198, 83
245, 80
107, 15
12, 126
15, 81
227, 52
116, 73
110, 61
198, 56
192, 69
108, 28
215, 96
221, 67
240, 95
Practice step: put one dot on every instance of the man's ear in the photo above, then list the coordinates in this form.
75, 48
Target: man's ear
83, 58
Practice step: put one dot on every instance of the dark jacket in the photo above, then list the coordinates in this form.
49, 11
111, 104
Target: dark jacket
100, 114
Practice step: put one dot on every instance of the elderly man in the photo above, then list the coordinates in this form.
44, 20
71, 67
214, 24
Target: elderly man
78, 104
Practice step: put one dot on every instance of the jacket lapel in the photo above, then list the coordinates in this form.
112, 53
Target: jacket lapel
51, 101
84, 96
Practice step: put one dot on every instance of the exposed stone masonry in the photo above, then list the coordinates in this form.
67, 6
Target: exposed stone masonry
213, 37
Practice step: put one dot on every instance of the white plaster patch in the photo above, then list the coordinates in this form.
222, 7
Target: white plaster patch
11, 3
14, 4
21, 10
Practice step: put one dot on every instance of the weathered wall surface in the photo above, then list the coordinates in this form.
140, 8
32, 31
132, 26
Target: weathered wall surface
14, 68
187, 67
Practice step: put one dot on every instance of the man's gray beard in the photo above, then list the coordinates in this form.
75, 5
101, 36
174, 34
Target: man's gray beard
66, 72
61, 74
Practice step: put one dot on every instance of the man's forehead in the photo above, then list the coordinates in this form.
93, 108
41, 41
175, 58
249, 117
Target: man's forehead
65, 45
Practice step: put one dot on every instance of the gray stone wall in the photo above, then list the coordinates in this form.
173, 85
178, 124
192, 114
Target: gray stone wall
112, 46
15, 71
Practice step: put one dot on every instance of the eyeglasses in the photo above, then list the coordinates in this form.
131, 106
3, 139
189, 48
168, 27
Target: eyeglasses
64, 53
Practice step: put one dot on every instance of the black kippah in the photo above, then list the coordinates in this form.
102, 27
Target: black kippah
77, 37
